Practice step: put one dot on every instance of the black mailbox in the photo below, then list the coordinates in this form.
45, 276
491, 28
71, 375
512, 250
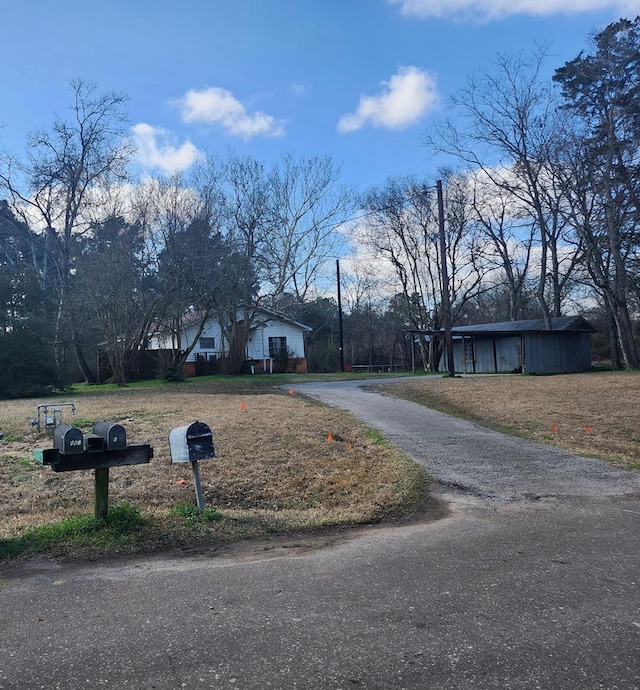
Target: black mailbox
68, 439
114, 435
193, 442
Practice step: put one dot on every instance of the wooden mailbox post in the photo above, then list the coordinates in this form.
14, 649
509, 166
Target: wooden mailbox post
106, 447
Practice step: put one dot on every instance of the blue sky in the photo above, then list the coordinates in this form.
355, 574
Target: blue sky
360, 80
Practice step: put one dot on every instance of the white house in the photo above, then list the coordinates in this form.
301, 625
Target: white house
276, 343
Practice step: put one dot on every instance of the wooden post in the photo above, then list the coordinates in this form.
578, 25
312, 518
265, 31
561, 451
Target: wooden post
340, 333
196, 481
102, 492
446, 303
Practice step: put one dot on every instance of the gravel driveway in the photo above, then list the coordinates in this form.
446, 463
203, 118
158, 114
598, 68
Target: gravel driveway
462, 456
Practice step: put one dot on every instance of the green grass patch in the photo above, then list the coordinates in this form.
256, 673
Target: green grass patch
191, 514
81, 535
376, 437
16, 469
12, 438
232, 385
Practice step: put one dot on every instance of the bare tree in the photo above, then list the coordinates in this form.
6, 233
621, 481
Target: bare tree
513, 125
509, 234
307, 206
282, 225
401, 227
52, 190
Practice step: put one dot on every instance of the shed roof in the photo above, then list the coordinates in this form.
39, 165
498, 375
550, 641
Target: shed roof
559, 323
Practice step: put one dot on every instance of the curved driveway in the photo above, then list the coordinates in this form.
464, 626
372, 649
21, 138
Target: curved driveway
530, 582
463, 455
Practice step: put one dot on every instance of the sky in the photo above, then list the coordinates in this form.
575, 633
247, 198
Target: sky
359, 80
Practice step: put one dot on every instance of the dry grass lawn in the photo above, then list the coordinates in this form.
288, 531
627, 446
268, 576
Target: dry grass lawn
276, 469
596, 414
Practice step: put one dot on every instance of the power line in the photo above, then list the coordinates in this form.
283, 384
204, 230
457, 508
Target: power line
417, 195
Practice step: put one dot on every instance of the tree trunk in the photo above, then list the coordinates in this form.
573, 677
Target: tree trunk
89, 376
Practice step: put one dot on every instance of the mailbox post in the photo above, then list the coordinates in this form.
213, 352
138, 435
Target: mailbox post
190, 444
106, 447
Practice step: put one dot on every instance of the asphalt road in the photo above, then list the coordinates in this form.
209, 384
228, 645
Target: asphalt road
532, 581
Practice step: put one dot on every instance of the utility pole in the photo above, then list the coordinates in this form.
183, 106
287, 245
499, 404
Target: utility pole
340, 316
446, 302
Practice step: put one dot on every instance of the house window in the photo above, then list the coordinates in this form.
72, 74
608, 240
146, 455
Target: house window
207, 343
278, 347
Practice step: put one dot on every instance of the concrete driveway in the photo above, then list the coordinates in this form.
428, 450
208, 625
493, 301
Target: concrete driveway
532, 581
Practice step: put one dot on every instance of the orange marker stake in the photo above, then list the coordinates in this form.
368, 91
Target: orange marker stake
292, 392
554, 428
243, 407
588, 429
330, 438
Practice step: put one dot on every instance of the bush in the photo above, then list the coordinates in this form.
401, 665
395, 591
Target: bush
173, 375
322, 358
27, 367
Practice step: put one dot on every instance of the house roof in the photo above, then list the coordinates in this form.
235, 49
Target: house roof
558, 324
281, 317
194, 317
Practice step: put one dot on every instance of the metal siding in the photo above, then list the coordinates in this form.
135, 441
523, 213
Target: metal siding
585, 351
507, 349
544, 353
507, 354
458, 357
483, 352
557, 354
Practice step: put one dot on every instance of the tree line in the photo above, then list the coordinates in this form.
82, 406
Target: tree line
542, 202
541, 214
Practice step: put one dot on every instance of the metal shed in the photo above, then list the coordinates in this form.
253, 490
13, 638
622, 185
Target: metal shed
523, 347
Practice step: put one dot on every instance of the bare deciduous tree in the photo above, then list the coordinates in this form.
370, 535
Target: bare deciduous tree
402, 227
52, 190
307, 206
513, 126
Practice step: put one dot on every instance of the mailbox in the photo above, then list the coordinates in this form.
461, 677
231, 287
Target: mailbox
114, 435
68, 439
189, 443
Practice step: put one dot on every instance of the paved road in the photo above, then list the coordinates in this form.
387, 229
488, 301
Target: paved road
530, 582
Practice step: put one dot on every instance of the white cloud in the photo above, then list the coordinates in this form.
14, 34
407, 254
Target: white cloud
407, 96
219, 106
483, 10
155, 151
